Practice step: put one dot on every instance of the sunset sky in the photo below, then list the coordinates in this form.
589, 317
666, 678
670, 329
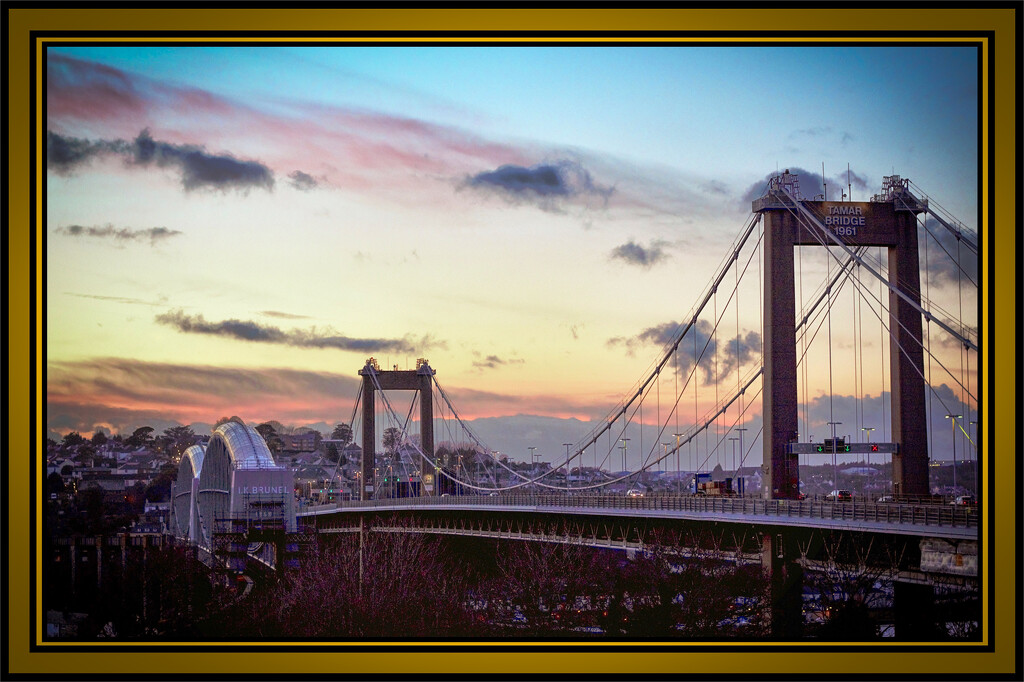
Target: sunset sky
234, 230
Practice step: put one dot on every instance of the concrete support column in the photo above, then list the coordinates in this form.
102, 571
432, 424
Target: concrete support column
74, 563
780, 470
369, 441
914, 611
906, 359
99, 562
426, 420
786, 583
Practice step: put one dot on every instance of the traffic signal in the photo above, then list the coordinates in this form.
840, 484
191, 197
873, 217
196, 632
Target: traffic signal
820, 448
874, 448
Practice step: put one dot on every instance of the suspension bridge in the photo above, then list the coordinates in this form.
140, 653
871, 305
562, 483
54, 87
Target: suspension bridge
881, 296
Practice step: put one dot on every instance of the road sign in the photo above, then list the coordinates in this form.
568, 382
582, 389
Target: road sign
853, 448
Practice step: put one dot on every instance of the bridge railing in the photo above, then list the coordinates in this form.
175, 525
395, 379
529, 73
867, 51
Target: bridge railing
856, 511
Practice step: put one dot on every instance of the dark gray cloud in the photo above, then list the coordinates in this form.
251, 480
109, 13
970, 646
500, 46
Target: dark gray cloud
635, 254
493, 362
124, 234
715, 187
302, 181
663, 334
699, 342
545, 185
811, 186
739, 351
942, 255
64, 155
198, 168
246, 330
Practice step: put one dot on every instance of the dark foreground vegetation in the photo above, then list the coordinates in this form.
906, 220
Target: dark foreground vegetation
424, 587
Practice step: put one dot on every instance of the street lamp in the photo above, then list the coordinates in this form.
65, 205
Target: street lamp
734, 452
952, 433
533, 464
679, 480
742, 451
624, 448
869, 429
974, 437
835, 469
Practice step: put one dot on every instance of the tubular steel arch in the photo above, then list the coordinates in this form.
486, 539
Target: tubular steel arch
185, 488
232, 446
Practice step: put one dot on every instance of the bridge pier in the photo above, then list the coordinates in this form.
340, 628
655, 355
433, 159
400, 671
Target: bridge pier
914, 611
786, 583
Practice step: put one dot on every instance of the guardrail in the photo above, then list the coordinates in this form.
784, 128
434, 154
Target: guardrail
928, 515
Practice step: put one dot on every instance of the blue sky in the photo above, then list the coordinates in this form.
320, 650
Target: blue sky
368, 195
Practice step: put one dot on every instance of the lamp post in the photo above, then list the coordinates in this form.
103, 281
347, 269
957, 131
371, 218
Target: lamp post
869, 429
624, 450
679, 480
533, 464
734, 452
835, 469
741, 430
974, 437
568, 470
952, 433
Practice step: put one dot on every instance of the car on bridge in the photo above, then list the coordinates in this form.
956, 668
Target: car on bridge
633, 492
965, 501
839, 496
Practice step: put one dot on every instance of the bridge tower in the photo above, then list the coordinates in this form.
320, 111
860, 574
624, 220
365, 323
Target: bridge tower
419, 379
889, 220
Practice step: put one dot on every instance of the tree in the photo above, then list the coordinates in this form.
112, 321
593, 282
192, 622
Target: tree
332, 453
269, 434
140, 437
99, 439
177, 439
159, 488
73, 439
392, 437
225, 420
342, 432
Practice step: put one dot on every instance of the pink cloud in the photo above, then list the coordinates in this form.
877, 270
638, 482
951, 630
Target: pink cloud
385, 154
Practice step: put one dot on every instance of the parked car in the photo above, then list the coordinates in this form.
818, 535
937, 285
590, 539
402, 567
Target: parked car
965, 500
839, 496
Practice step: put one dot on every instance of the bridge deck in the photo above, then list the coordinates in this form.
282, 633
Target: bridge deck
932, 520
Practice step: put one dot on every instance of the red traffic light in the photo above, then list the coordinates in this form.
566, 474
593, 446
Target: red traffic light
874, 448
